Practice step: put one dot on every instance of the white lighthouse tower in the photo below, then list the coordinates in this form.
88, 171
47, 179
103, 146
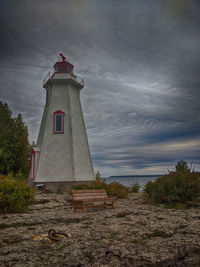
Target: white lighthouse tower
61, 157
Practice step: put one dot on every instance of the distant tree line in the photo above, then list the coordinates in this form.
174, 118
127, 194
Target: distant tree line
14, 144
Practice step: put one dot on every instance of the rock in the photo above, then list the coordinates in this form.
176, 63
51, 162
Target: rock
132, 234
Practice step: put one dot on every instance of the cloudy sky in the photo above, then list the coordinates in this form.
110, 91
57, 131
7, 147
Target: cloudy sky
140, 60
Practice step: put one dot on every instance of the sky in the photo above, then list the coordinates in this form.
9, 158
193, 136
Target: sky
140, 60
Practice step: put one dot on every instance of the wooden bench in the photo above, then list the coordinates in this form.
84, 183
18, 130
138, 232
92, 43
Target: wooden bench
83, 199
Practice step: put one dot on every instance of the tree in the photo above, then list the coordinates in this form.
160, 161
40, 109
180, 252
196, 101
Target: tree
6, 126
21, 146
182, 166
14, 145
98, 176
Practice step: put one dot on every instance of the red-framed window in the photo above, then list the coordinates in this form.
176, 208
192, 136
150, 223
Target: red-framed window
58, 122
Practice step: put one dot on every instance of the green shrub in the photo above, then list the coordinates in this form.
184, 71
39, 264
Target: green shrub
112, 189
135, 188
175, 187
84, 186
20, 176
15, 195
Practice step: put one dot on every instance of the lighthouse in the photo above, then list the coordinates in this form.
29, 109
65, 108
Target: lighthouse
61, 157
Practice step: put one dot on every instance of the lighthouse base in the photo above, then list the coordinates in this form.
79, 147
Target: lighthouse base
60, 187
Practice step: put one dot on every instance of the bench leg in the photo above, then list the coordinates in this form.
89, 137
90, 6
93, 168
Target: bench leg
83, 206
74, 206
104, 205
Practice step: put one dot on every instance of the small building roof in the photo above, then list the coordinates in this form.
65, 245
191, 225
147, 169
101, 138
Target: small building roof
36, 149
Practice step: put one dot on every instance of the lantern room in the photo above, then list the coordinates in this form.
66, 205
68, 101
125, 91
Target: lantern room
63, 66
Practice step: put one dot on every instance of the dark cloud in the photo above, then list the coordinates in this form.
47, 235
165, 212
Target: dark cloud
140, 60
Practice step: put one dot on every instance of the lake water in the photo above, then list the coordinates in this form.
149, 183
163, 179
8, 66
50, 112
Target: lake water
142, 180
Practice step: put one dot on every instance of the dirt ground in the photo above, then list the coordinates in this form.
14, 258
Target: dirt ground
132, 234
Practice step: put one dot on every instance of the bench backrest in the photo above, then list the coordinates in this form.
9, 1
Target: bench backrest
89, 194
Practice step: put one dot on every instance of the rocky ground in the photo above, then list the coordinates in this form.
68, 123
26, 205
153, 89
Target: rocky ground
132, 234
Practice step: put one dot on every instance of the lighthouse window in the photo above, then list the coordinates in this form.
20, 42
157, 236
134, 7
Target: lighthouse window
58, 122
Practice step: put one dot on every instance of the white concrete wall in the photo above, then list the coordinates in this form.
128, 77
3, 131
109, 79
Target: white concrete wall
82, 160
64, 157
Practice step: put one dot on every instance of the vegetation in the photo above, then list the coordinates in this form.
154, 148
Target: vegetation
178, 188
98, 177
182, 166
135, 188
112, 189
15, 194
118, 190
14, 145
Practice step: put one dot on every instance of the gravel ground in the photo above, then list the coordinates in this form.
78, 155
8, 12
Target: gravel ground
132, 234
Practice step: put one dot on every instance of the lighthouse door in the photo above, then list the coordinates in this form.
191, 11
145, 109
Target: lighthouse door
32, 172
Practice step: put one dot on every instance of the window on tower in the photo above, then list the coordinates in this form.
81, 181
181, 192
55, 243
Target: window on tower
58, 126
58, 122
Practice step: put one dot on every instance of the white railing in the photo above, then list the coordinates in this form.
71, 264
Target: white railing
80, 80
76, 78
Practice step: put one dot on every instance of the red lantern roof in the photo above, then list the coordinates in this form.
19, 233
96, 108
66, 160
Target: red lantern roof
63, 66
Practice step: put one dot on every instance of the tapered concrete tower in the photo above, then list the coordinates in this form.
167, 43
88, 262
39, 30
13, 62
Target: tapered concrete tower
61, 156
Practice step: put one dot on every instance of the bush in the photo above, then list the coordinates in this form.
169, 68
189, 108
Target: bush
135, 188
20, 176
112, 189
175, 187
118, 190
15, 195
